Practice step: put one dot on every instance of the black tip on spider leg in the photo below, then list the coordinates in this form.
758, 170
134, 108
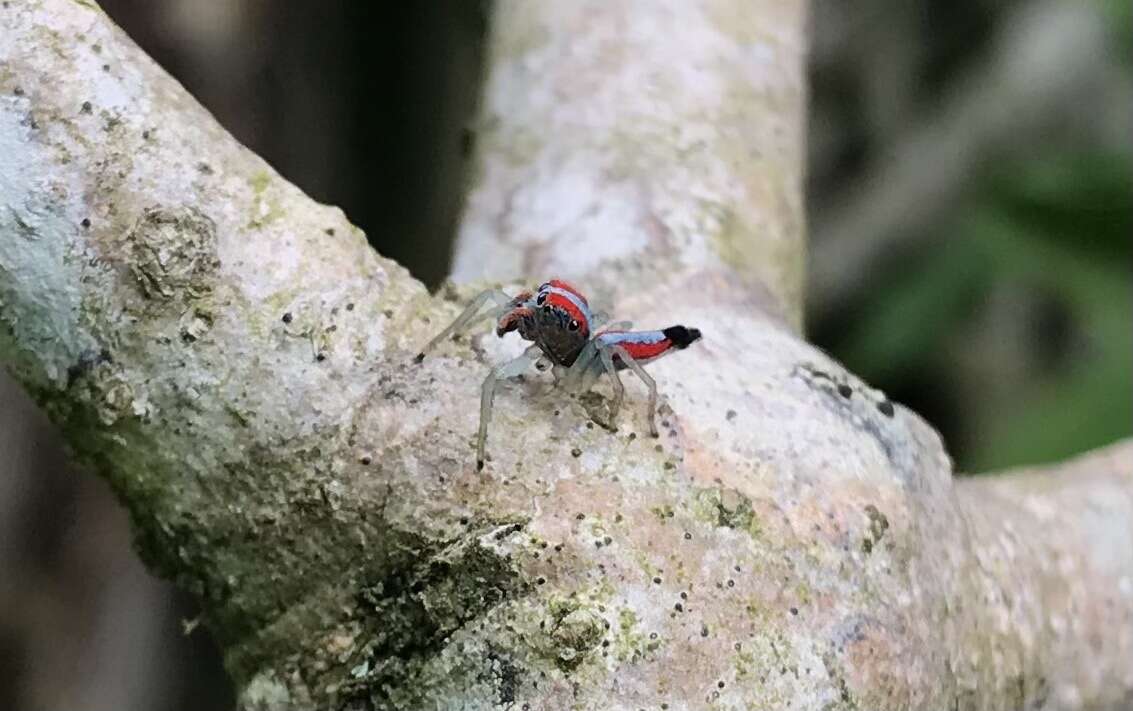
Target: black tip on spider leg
420, 357
682, 337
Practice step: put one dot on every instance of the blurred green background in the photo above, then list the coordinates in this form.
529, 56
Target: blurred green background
990, 178
970, 202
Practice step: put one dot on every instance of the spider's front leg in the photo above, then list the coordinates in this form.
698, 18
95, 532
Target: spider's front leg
501, 372
472, 314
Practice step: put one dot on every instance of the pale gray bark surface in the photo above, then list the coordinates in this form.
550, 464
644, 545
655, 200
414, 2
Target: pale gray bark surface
237, 362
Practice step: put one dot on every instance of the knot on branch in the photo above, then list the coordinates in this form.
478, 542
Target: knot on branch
173, 252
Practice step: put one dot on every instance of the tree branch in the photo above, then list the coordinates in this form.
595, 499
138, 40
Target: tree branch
236, 361
638, 165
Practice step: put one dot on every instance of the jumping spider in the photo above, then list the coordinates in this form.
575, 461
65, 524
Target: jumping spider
557, 319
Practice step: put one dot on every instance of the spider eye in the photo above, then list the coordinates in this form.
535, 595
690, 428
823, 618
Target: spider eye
541, 299
573, 325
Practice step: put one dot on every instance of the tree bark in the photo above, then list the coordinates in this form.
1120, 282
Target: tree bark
237, 362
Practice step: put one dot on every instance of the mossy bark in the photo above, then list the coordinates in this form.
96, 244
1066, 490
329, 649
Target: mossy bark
238, 363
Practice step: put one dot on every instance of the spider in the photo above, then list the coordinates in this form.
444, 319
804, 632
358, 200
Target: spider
559, 322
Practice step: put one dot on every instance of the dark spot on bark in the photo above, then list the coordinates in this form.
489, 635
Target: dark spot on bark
366, 461
730, 415
350, 306
703, 630
540, 581
287, 317
679, 607
87, 362
329, 231
204, 168
858, 417
657, 581
86, 108
580, 516
507, 679
576, 452
320, 357
794, 611
720, 684
85, 223
845, 391
688, 536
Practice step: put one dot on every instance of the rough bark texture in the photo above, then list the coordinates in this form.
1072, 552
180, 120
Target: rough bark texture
237, 361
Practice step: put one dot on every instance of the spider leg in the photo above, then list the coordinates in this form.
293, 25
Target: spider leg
606, 353
469, 316
573, 377
645, 378
488, 390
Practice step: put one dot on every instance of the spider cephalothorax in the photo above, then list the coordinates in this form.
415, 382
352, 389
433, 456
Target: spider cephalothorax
557, 319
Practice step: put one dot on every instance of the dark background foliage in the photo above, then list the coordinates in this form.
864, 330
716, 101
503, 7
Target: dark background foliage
969, 197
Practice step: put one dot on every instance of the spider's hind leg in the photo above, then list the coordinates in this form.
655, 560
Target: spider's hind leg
651, 412
587, 367
608, 352
470, 316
